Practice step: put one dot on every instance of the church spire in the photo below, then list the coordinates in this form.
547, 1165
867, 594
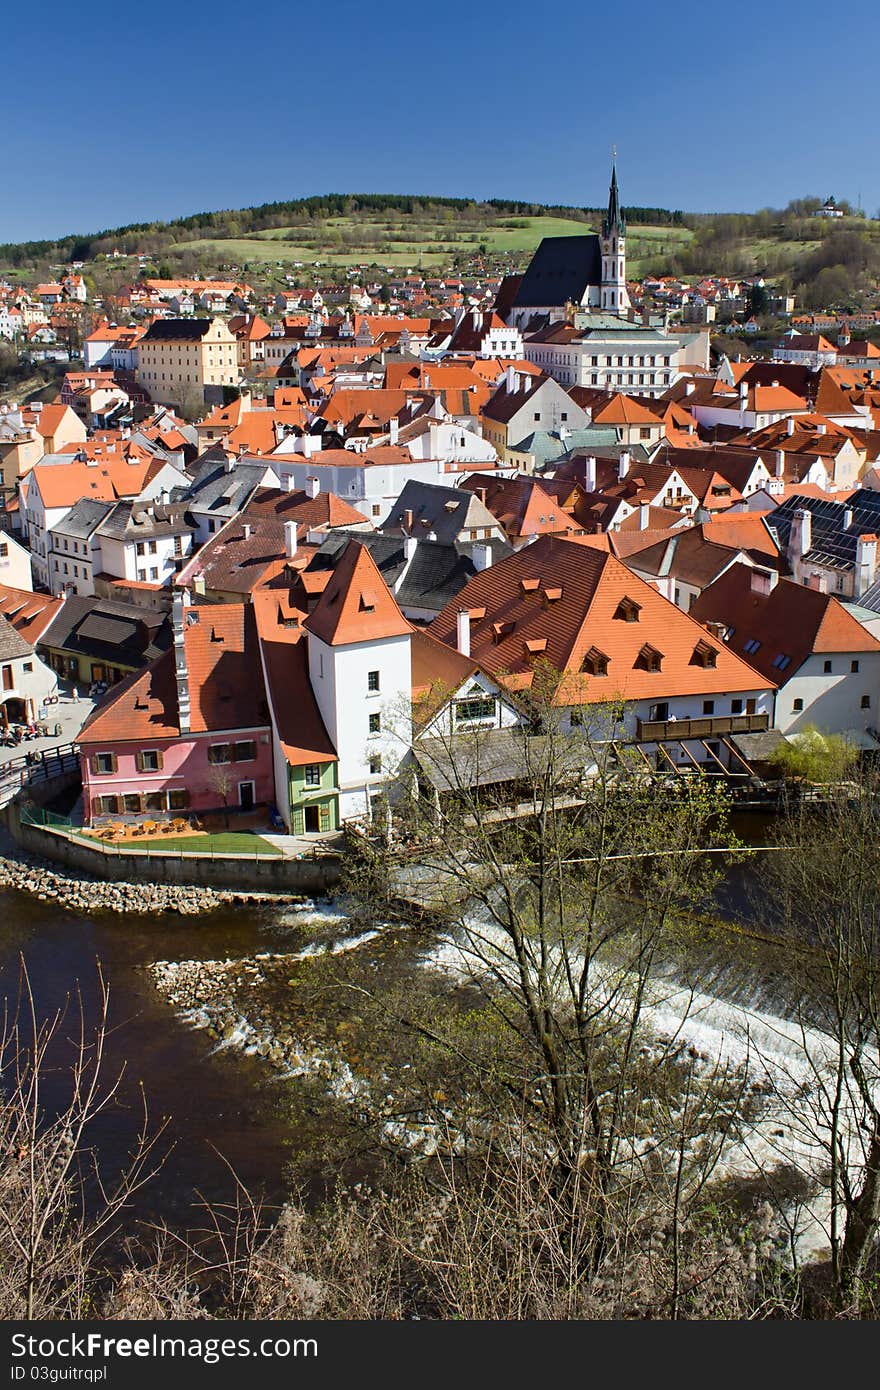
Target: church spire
615, 222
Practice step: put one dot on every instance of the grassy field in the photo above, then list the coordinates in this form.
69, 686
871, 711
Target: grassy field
398, 242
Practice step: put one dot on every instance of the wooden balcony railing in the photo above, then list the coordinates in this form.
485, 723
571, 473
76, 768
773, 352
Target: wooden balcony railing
709, 726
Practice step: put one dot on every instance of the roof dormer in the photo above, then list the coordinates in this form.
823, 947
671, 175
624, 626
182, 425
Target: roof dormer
649, 658
627, 610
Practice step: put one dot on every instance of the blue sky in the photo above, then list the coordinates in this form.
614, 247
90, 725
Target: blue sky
116, 115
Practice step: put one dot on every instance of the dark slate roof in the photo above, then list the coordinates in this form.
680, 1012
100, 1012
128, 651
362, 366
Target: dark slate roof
386, 551
870, 599
216, 489
442, 510
137, 521
120, 634
560, 270
177, 330
833, 543
83, 517
436, 574
12, 644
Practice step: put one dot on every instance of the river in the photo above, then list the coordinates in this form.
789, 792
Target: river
223, 1106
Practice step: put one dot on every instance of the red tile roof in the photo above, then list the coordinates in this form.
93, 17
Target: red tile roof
356, 605
516, 599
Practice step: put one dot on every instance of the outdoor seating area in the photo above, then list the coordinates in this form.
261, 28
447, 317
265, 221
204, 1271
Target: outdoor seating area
116, 831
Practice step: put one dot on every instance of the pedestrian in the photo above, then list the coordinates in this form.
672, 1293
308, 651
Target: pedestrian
74, 693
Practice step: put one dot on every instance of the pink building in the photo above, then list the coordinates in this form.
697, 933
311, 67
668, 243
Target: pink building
191, 732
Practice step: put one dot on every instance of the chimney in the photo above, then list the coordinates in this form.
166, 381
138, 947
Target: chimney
866, 563
290, 539
408, 520
789, 424
743, 393
394, 429
482, 556
510, 380
313, 486
246, 530
763, 581
410, 546
800, 538
463, 632
644, 514
847, 518
822, 428
180, 667
590, 473
290, 483
623, 465
780, 463
690, 387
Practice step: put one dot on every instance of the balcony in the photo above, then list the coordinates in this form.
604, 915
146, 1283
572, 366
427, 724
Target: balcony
709, 726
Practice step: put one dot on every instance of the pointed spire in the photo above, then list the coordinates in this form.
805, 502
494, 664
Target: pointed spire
615, 222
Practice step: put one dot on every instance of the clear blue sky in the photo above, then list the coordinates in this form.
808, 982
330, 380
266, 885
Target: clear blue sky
114, 114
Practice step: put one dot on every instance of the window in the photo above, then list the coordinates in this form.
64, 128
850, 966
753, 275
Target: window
854, 667
312, 775
659, 713
649, 658
178, 798
131, 802
375, 723
28, 666
708, 706
107, 805
751, 646
736, 707
781, 661
478, 707
827, 668
220, 753
154, 573
140, 548
245, 752
595, 663
103, 764
537, 417
627, 611
149, 760
797, 705
375, 765
866, 702
372, 682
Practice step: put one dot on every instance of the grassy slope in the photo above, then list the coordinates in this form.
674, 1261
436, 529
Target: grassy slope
401, 242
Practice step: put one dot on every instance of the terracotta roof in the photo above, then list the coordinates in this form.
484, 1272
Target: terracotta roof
791, 621
356, 605
225, 683
30, 614
623, 410
62, 484
298, 721
567, 597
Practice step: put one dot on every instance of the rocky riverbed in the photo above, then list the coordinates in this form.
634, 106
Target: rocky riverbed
79, 893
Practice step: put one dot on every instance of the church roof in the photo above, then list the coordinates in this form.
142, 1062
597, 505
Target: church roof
562, 268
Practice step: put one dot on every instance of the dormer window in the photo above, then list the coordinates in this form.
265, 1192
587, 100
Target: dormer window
628, 610
595, 663
535, 646
367, 602
552, 594
704, 655
649, 658
501, 630
529, 586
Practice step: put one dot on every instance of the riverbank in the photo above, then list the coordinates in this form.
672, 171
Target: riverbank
79, 892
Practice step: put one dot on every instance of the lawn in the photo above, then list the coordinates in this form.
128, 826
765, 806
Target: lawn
224, 842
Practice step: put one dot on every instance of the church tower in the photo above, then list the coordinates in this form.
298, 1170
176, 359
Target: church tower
614, 298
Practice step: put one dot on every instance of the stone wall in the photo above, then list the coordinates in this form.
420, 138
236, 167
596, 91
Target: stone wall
264, 873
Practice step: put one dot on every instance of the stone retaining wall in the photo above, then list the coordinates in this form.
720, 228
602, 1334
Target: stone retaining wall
263, 873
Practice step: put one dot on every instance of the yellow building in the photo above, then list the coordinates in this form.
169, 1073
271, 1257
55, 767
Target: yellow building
179, 358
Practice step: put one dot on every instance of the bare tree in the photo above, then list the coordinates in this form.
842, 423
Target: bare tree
562, 864
826, 885
57, 1210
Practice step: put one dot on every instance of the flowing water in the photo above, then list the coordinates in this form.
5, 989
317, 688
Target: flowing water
280, 1120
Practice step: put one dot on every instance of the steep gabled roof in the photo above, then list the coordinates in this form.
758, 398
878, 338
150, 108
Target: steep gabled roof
357, 605
558, 599
790, 622
560, 271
